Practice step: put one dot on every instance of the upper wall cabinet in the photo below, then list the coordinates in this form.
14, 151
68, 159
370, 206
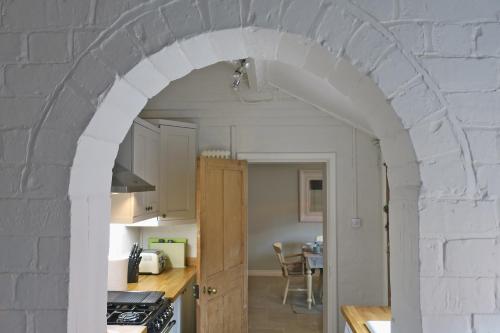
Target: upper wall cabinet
140, 153
177, 170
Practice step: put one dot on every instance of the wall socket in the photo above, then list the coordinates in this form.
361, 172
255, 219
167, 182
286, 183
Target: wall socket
356, 222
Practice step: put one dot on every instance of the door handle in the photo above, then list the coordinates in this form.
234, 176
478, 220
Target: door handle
211, 291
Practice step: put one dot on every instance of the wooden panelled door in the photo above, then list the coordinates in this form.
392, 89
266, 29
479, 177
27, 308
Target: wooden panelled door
222, 247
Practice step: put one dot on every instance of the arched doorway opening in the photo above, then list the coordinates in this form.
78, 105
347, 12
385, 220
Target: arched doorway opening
91, 172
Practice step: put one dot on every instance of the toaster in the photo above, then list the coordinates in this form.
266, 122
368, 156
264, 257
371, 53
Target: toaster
152, 262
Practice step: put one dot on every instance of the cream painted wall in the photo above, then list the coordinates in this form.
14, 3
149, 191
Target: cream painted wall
273, 213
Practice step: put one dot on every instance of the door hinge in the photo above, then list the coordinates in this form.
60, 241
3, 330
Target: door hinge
196, 291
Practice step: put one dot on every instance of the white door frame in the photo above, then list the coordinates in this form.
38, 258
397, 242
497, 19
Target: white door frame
330, 310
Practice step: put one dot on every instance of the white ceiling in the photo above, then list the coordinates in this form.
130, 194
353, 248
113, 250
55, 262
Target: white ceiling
270, 82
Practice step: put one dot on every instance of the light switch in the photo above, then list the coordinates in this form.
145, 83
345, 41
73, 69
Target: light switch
356, 223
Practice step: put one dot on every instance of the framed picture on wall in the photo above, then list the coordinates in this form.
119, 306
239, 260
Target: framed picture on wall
311, 195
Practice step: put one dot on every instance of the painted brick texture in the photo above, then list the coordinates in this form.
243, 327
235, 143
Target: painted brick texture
436, 64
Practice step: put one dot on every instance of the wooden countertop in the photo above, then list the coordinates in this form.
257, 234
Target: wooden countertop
172, 281
126, 329
356, 316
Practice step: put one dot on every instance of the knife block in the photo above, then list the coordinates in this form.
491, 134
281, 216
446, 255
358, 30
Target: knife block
132, 274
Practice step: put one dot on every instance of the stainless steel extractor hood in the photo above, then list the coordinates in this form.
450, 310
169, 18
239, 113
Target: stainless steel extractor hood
125, 181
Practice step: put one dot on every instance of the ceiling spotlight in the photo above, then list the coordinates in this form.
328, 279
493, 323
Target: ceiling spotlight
240, 72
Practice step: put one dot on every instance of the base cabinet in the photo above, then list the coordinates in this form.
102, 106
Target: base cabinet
185, 311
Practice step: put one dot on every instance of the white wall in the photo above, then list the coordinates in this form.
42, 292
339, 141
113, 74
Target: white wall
186, 229
273, 213
121, 239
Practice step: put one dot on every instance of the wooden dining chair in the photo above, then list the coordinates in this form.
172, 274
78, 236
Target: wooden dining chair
292, 266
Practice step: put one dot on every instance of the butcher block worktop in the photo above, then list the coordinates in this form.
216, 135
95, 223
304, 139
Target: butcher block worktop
357, 316
172, 282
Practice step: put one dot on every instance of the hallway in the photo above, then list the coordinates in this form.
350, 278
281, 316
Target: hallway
266, 313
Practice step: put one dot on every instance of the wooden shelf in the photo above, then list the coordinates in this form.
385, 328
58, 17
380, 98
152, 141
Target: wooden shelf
357, 316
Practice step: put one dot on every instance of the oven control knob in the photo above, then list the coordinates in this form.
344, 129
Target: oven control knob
157, 325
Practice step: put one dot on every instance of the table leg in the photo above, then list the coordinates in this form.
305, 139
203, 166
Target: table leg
309, 287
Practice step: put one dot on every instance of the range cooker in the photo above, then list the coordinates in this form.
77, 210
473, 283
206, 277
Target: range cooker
148, 309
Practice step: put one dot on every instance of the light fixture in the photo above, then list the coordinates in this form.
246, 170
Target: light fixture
241, 71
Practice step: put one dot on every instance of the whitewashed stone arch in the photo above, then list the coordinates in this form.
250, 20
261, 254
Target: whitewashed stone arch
160, 41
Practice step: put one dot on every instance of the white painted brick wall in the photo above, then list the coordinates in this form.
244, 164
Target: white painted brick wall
435, 61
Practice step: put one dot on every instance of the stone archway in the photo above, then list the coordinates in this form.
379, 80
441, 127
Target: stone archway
136, 57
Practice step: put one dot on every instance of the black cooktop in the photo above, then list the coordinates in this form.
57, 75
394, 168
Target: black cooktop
135, 308
134, 297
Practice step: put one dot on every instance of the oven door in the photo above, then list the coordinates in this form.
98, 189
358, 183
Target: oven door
169, 327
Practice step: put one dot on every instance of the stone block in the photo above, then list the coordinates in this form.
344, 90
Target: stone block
487, 178
457, 218
70, 112
8, 282
53, 254
183, 18
336, 28
458, 74
447, 323
47, 181
224, 14
151, 32
264, 13
472, 257
14, 145
172, 62
17, 254
449, 10
486, 323
50, 321
55, 146
457, 295
228, 44
13, 321
119, 43
299, 16
261, 43
47, 217
484, 145
34, 80
392, 72
366, 46
433, 137
487, 40
453, 39
108, 11
42, 291
444, 175
120, 106
199, 51
475, 107
82, 40
431, 257
10, 178
383, 10
410, 35
93, 76
24, 15
415, 102
10, 48
91, 150
146, 78
19, 112
48, 47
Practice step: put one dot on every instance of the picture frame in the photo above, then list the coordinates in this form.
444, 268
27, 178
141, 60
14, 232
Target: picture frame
311, 196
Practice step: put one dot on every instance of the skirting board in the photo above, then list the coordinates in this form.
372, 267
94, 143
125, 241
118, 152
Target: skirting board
264, 272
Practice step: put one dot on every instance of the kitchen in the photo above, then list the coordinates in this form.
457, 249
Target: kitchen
201, 114
145, 258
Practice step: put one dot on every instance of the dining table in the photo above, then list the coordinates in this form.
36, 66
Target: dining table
313, 261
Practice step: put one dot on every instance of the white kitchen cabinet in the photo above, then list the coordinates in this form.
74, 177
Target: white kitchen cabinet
177, 170
185, 311
140, 153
